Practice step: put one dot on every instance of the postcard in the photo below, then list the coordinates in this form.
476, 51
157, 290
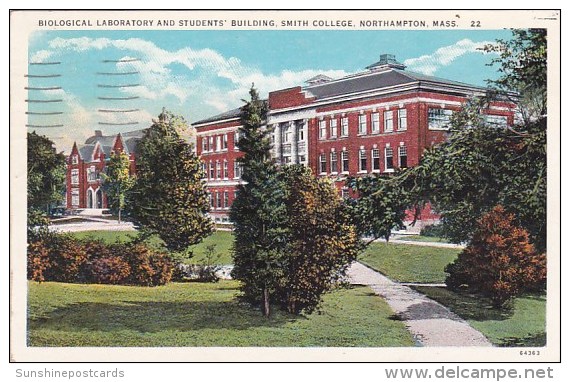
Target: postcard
333, 186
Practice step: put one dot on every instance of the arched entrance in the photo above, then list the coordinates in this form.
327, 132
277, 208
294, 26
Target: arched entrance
89, 198
99, 198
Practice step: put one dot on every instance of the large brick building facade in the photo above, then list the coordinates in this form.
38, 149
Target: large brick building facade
370, 122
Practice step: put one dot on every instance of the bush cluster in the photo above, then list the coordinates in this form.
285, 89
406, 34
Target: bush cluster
500, 262
62, 258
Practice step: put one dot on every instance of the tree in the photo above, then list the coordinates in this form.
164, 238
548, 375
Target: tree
117, 181
321, 241
258, 212
499, 262
46, 178
169, 197
381, 205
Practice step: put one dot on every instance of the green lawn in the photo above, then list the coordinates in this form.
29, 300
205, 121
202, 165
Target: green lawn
428, 239
222, 239
200, 314
522, 324
409, 263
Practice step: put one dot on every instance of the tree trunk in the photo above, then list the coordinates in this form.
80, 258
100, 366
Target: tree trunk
266, 308
119, 215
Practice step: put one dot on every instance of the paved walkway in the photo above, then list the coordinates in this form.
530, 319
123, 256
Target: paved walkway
430, 323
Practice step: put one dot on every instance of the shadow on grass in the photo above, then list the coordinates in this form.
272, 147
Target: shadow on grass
537, 340
466, 305
153, 317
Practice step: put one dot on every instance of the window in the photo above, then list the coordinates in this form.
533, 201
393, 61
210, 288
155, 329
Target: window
375, 122
236, 140
334, 162
212, 173
74, 159
388, 121
496, 120
226, 173
91, 174
226, 199
211, 144
204, 170
75, 197
362, 165
344, 159
302, 159
237, 170
362, 124
375, 160
204, 145
74, 176
333, 127
323, 164
344, 127
389, 153
218, 169
439, 118
402, 119
224, 142
403, 156
218, 199
300, 134
287, 134
323, 129
345, 193
212, 202
218, 143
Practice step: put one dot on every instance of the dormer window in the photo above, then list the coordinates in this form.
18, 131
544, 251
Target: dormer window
74, 159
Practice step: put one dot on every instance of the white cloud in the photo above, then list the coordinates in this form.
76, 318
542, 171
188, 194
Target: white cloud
444, 56
153, 66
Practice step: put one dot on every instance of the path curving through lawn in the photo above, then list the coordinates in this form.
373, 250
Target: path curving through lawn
431, 323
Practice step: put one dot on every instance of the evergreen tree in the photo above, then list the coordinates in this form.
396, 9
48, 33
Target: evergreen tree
117, 181
169, 197
258, 212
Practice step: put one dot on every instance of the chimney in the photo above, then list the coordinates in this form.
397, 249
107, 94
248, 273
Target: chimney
98, 133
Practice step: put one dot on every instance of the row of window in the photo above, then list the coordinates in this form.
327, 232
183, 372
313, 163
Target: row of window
220, 169
218, 143
330, 163
92, 175
220, 199
329, 129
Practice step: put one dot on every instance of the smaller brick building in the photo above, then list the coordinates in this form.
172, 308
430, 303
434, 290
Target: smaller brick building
86, 163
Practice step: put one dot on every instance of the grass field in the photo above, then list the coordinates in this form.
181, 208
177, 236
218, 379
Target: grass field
522, 324
428, 239
222, 239
200, 314
409, 263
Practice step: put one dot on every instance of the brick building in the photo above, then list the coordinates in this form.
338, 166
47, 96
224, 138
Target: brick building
373, 121
86, 163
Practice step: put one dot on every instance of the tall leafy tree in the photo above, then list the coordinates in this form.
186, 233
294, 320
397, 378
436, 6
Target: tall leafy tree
169, 197
46, 178
321, 240
118, 181
258, 212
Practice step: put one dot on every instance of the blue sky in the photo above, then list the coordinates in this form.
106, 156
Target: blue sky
198, 74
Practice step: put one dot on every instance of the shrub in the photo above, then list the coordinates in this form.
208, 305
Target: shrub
38, 261
500, 262
66, 257
147, 267
109, 270
433, 230
58, 257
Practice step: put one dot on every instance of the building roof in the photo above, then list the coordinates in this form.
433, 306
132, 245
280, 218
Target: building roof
231, 114
106, 143
372, 80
